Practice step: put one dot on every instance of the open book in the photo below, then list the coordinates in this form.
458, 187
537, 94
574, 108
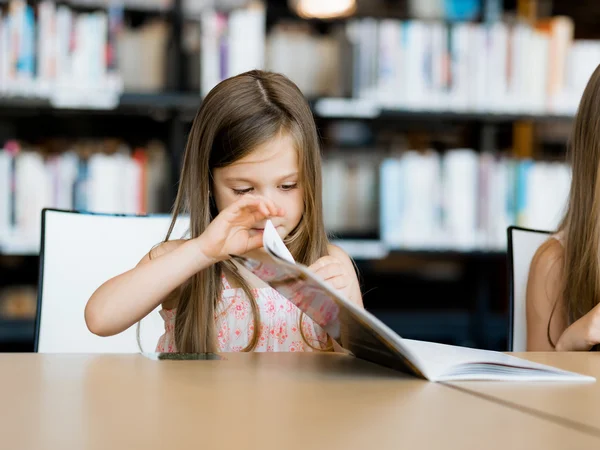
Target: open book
366, 337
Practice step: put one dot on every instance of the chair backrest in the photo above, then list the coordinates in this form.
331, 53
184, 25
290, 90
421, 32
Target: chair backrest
522, 245
79, 252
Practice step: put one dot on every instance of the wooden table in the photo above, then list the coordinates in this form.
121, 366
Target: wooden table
262, 401
577, 405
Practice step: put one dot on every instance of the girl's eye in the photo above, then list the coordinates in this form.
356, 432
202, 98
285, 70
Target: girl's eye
289, 187
242, 191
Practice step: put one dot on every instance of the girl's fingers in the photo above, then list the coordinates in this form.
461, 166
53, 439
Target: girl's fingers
264, 209
255, 242
259, 207
327, 268
274, 210
330, 270
257, 216
338, 282
322, 262
246, 202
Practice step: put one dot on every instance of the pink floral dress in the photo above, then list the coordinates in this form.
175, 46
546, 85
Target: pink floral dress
280, 321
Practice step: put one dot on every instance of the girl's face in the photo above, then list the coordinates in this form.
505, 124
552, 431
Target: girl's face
271, 170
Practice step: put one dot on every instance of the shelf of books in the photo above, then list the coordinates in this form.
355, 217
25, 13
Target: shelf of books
87, 60
92, 175
356, 108
133, 5
393, 67
365, 68
461, 201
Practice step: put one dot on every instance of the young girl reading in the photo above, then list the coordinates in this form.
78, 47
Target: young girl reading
563, 290
252, 154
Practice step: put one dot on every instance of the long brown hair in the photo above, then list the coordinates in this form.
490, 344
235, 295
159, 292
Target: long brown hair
580, 227
238, 115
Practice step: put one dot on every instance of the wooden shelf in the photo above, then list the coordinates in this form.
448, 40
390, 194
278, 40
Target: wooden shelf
142, 104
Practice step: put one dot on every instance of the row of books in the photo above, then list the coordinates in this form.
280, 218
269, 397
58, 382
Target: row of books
458, 200
426, 200
432, 65
88, 59
465, 200
99, 176
143, 5
315, 62
54, 52
231, 42
456, 10
350, 194
81, 59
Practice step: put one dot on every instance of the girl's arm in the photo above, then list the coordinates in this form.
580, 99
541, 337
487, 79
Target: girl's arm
127, 298
543, 295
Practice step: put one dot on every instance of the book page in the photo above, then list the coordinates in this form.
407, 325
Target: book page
449, 362
273, 242
357, 330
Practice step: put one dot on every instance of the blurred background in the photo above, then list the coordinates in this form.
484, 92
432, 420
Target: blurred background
442, 123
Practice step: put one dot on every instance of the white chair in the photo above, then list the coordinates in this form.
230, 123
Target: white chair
80, 251
522, 245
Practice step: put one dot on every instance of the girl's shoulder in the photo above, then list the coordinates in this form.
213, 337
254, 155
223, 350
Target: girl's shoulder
547, 260
334, 250
339, 254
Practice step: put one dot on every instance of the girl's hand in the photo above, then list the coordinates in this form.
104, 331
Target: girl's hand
335, 273
583, 334
231, 233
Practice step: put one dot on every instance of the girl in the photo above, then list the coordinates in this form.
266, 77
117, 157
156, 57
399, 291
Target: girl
252, 155
563, 290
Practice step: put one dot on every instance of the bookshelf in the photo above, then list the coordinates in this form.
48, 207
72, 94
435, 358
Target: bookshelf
146, 6
187, 104
472, 279
344, 108
142, 104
